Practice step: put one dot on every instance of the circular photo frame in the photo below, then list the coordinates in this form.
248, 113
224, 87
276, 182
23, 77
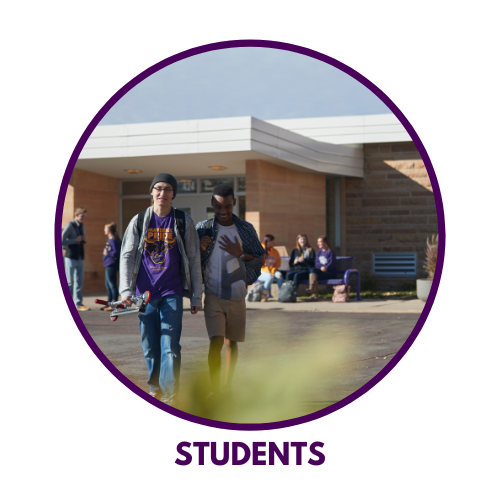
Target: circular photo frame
439, 214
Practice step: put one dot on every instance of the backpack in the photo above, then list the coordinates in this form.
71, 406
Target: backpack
255, 293
341, 293
287, 292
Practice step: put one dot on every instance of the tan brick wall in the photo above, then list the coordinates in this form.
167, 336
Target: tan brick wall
99, 195
392, 209
284, 202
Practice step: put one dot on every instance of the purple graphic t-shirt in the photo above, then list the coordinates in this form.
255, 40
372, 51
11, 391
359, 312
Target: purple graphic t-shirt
160, 271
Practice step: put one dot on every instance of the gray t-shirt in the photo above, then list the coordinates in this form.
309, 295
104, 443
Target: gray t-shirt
225, 275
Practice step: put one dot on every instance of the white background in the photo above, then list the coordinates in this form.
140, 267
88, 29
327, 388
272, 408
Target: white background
71, 430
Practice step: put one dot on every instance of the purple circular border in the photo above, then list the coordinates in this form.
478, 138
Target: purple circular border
272, 45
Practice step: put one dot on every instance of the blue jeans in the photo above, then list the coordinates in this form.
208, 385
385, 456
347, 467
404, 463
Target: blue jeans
75, 270
297, 277
267, 279
161, 327
110, 275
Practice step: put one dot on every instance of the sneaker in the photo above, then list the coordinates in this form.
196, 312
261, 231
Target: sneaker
108, 309
155, 394
169, 401
83, 308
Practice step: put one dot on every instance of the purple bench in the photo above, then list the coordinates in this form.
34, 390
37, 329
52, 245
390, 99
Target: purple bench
344, 265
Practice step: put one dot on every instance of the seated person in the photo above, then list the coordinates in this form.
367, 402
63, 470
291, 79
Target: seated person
270, 268
302, 261
325, 265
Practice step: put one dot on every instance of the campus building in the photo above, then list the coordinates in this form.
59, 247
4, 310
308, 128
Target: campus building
358, 179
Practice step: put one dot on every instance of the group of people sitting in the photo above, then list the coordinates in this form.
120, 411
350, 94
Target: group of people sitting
304, 263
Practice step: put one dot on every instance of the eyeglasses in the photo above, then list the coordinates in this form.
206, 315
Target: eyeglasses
167, 190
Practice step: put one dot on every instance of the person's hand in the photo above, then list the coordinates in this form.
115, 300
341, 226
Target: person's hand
78, 239
231, 247
84, 238
205, 243
195, 309
126, 301
323, 268
301, 259
105, 252
296, 261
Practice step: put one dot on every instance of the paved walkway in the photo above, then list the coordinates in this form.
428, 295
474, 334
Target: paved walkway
289, 365
302, 304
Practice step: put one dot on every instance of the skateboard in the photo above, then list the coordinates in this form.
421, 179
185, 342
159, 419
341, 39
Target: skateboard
119, 308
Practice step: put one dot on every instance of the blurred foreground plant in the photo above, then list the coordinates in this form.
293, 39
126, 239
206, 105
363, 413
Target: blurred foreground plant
431, 253
270, 390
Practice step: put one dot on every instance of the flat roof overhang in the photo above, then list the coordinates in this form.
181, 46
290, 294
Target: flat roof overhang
190, 147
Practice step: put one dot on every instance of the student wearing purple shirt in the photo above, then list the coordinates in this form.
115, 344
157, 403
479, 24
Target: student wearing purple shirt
161, 254
324, 267
111, 261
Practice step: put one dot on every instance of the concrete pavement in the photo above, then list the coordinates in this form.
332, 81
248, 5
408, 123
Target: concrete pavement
372, 306
289, 365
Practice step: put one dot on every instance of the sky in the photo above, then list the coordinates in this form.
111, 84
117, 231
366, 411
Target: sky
247, 81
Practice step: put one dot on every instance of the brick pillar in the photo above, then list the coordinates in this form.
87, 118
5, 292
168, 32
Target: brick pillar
99, 195
284, 202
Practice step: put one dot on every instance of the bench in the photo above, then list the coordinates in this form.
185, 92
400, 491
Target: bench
344, 268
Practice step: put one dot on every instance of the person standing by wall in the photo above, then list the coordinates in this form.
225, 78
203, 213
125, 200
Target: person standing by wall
111, 261
161, 254
73, 240
271, 266
232, 257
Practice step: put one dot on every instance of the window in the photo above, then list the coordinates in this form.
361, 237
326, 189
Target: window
210, 213
208, 184
187, 186
242, 184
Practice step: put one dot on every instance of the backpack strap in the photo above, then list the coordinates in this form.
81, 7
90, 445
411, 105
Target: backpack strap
180, 219
140, 222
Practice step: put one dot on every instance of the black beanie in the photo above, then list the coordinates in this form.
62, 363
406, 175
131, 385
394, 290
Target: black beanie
163, 177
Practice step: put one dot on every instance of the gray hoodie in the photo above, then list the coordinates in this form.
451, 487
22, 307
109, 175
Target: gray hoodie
133, 248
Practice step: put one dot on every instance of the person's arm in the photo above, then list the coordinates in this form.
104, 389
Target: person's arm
130, 244
235, 249
310, 260
277, 265
205, 243
68, 235
114, 251
193, 252
317, 263
331, 265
